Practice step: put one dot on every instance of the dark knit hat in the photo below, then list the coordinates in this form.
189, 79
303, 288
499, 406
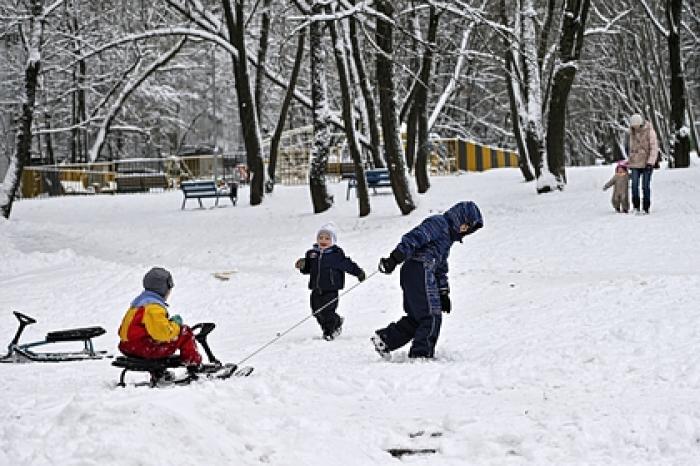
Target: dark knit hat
158, 280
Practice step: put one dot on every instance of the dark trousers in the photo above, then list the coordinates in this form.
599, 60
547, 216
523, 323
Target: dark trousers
645, 174
328, 319
421, 302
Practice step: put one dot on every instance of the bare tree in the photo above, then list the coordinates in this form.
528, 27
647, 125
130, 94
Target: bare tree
235, 23
370, 106
262, 54
275, 140
393, 148
348, 117
23, 138
320, 150
570, 45
421, 103
128, 89
680, 149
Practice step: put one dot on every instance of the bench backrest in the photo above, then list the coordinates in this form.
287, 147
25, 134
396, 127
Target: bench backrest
198, 188
377, 175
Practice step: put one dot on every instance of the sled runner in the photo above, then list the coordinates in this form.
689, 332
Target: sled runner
24, 352
160, 376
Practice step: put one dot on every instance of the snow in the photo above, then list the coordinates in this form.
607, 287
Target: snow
581, 352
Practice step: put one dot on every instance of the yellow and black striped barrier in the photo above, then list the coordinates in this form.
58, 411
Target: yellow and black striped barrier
470, 156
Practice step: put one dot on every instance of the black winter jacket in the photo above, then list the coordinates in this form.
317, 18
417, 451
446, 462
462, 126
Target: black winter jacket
327, 268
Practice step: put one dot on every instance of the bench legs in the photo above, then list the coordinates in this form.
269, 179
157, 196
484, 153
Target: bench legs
233, 196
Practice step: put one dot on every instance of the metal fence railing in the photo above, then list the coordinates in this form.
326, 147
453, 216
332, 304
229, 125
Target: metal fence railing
157, 174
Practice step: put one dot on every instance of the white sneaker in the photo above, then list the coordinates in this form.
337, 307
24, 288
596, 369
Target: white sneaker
380, 347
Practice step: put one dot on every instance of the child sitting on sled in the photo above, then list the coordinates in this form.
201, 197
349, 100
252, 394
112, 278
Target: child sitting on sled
326, 265
621, 181
148, 331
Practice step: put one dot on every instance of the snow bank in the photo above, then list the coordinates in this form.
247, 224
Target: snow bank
574, 336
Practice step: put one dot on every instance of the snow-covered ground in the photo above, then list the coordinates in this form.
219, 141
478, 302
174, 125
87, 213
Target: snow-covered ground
574, 336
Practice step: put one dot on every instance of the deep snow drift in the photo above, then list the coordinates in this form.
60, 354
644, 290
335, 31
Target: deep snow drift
574, 336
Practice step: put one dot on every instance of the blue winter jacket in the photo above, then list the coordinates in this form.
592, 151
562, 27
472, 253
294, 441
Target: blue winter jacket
327, 268
431, 241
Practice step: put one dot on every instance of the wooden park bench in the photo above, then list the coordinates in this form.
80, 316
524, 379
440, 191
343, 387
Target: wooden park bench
207, 189
376, 178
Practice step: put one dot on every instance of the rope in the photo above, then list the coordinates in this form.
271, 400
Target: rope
281, 334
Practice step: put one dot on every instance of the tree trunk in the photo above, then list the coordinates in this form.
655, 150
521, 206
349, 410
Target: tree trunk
246, 104
289, 94
23, 137
387, 107
262, 56
320, 198
513, 85
346, 98
367, 95
82, 112
534, 132
78, 106
680, 149
51, 160
421, 103
570, 45
409, 109
515, 103
411, 131
74, 122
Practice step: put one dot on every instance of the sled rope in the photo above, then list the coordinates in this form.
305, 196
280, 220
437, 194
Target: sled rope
281, 334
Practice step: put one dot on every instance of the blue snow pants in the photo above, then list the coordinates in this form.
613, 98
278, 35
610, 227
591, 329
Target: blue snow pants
421, 302
645, 175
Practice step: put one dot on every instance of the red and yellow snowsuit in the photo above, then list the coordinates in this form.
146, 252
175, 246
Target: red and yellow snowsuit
147, 333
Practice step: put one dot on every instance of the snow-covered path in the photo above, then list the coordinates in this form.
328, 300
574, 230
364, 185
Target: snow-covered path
574, 336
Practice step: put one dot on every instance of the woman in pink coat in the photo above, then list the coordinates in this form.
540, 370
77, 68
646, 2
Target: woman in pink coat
644, 149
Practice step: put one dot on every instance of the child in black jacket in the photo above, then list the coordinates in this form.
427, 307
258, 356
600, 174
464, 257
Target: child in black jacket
326, 264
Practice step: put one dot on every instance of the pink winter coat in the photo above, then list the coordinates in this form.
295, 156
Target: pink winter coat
644, 148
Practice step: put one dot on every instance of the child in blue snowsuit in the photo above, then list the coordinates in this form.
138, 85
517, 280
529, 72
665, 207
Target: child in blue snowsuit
326, 264
423, 252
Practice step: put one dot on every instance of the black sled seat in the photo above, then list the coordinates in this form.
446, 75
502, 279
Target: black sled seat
24, 352
155, 367
74, 334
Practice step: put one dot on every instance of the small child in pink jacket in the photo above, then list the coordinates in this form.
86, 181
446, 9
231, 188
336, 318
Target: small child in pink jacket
621, 181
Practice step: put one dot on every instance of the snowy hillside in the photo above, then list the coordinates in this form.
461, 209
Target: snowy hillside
574, 336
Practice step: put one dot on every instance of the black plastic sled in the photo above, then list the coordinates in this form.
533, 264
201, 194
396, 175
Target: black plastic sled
24, 352
160, 376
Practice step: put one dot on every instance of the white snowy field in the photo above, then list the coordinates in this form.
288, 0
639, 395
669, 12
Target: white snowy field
574, 336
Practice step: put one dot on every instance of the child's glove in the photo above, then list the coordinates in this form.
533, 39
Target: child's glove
362, 275
445, 303
177, 319
388, 264
299, 264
